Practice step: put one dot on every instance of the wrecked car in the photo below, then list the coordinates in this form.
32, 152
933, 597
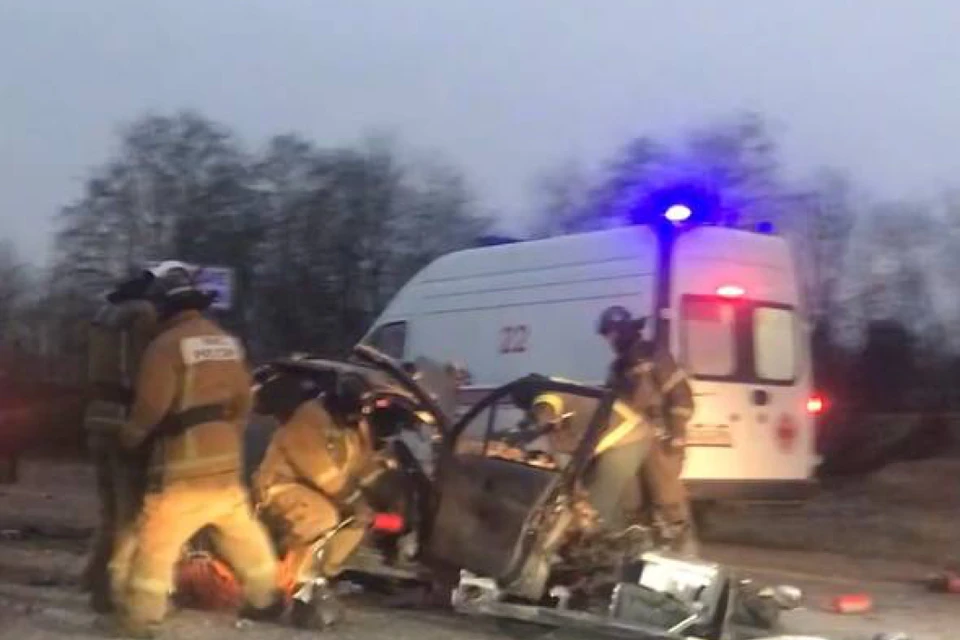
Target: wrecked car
505, 522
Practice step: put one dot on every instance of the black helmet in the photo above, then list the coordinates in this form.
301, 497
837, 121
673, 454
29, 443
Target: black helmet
618, 323
134, 287
279, 394
616, 319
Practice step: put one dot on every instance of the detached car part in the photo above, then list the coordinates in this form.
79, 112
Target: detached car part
668, 598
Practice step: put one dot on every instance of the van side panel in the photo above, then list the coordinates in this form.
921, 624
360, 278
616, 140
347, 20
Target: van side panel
498, 344
503, 311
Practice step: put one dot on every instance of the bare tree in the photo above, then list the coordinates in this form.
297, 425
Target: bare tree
562, 197
736, 158
350, 226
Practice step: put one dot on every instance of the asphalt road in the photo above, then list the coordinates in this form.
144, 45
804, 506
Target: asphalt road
52, 509
39, 600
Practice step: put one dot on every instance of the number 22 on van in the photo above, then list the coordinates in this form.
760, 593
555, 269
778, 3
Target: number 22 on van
513, 338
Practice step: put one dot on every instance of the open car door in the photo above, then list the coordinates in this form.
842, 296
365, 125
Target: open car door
492, 505
496, 512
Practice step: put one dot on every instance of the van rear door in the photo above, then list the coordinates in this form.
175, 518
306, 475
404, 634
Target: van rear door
750, 430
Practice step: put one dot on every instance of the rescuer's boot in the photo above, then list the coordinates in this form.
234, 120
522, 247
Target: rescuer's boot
121, 627
269, 613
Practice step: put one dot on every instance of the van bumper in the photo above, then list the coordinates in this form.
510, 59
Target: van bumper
752, 490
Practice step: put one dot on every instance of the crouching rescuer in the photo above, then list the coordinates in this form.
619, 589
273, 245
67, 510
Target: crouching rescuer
310, 488
192, 402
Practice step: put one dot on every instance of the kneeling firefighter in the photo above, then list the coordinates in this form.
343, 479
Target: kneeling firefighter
647, 379
310, 488
192, 401
119, 334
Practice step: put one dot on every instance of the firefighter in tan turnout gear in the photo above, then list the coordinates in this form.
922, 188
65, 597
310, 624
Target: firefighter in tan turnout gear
119, 334
309, 489
650, 381
192, 401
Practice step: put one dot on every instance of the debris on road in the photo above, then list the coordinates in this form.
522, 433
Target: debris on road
852, 603
945, 582
348, 588
786, 596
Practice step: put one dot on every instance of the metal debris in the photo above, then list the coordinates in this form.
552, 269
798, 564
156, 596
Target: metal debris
787, 597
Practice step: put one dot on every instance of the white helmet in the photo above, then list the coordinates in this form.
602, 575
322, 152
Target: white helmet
174, 287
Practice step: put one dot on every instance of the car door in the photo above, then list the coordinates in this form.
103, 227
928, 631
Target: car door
487, 507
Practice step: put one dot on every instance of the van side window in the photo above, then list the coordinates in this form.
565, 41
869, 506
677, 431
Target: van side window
774, 344
709, 338
390, 339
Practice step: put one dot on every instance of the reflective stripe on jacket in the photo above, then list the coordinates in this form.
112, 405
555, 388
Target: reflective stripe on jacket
571, 414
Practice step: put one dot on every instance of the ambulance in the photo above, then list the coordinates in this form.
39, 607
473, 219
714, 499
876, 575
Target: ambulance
735, 321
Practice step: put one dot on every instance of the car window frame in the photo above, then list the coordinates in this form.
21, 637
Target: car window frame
380, 330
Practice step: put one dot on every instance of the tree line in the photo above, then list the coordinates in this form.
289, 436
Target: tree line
320, 237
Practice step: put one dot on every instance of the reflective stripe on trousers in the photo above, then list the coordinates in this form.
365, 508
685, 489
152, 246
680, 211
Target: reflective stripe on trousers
629, 420
101, 416
196, 463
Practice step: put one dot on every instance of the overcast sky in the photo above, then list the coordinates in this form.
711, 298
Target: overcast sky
504, 88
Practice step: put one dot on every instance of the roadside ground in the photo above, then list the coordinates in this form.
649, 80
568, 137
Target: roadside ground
881, 536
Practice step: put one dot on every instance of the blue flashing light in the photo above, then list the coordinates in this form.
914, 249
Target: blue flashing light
679, 204
764, 227
678, 213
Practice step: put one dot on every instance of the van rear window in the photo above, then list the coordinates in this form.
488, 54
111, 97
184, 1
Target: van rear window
774, 344
709, 337
739, 340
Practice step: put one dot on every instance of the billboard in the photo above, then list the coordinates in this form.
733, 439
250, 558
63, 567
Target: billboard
218, 280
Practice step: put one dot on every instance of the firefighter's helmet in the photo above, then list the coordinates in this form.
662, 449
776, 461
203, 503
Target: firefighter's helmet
133, 288
279, 394
616, 320
173, 288
619, 326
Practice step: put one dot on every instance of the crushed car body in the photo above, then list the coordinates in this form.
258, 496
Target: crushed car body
508, 520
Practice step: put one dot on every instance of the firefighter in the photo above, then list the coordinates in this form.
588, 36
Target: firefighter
309, 488
650, 381
192, 400
119, 334
562, 419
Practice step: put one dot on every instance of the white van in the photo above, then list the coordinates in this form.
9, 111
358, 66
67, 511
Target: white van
737, 326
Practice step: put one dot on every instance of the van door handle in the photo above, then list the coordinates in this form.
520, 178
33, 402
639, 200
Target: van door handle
760, 397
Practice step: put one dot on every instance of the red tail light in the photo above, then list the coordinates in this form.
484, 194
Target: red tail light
388, 523
815, 405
